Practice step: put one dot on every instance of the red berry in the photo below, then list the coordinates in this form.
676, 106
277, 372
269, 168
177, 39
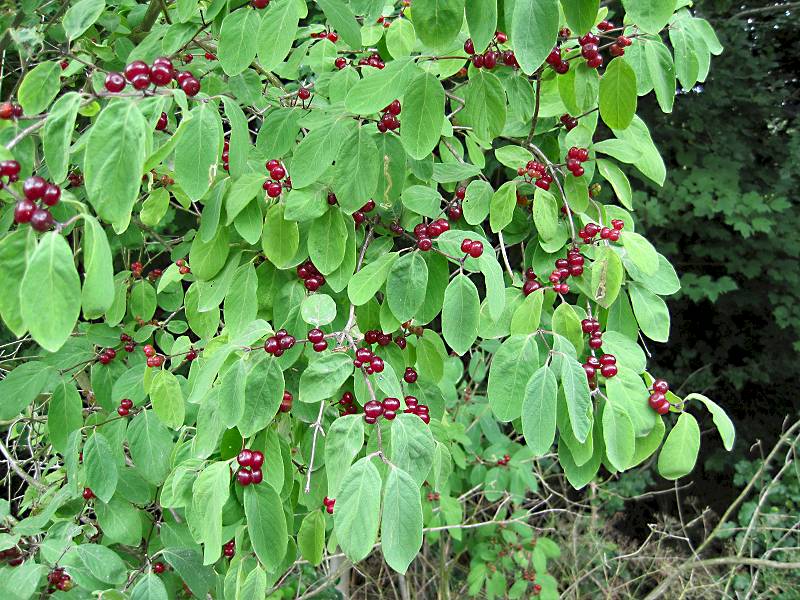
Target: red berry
303, 93
161, 74
256, 476
23, 211
501, 37
149, 350
41, 220
425, 244
88, 494
115, 82
608, 359
286, 402
137, 67
660, 385
469, 47
34, 187
475, 249
608, 370
373, 409
410, 376
260, 3
190, 86
159, 567
257, 459
126, 403
333, 37
315, 335
244, 477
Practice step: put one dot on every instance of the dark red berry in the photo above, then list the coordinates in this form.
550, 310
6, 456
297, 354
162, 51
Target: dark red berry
115, 82
41, 219
244, 477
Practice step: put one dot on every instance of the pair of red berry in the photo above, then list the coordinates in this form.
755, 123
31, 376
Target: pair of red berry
612, 234
279, 343
531, 285
226, 155
374, 60
568, 121
415, 408
9, 169
658, 398
606, 364
229, 549
312, 278
618, 47
555, 60
125, 406
591, 327
9, 110
331, 36
504, 461
590, 50
473, 248
575, 157
286, 401
387, 409
536, 173
329, 503
106, 356
154, 360
389, 120
346, 404
425, 233
250, 463
129, 344
317, 338
59, 580
183, 267
361, 214
88, 494
374, 336
366, 359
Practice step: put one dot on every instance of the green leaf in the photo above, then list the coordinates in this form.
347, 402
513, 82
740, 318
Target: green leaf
607, 276
401, 520
63, 414
276, 35
279, 130
280, 238
39, 86
512, 366
22, 385
188, 564
355, 518
98, 282
567, 323
237, 44
651, 313
101, 469
266, 525
324, 376
501, 208
412, 448
16, 248
485, 105
679, 454
374, 92
114, 159
209, 494
423, 114
423, 200
721, 419
21, 582
401, 38
545, 214
641, 252
318, 310
149, 587
477, 201
343, 442
103, 563
528, 315
356, 177
406, 285
581, 14
534, 32
460, 314
150, 444
142, 300
51, 278
687, 64
627, 351
645, 154
80, 16
437, 22
343, 21
618, 436
513, 156
662, 73
649, 15
58, 130
326, 241
369, 279
155, 207
576, 394
239, 138
241, 301
167, 399
231, 390
311, 537
618, 180
539, 411
197, 151
120, 521
482, 22
263, 394
618, 94
316, 152
647, 445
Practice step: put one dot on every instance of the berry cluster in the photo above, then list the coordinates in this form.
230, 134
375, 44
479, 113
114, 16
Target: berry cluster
490, 58
9, 110
426, 232
590, 50
387, 409
312, 278
606, 364
415, 408
410, 375
504, 461
129, 344
106, 356
454, 210
374, 336
389, 120
277, 172
332, 36
286, 401
317, 338
361, 214
10, 170
226, 152
536, 173
374, 60
161, 125
531, 285
590, 230
554, 59
125, 406
59, 580
13, 556
183, 266
433, 496
159, 74
346, 404
229, 549
591, 327
576, 156
658, 399
473, 248
35, 189
618, 47
366, 359
153, 359
250, 463
568, 121
329, 502
279, 343
75, 179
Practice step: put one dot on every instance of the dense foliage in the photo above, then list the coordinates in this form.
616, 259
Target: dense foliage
288, 277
